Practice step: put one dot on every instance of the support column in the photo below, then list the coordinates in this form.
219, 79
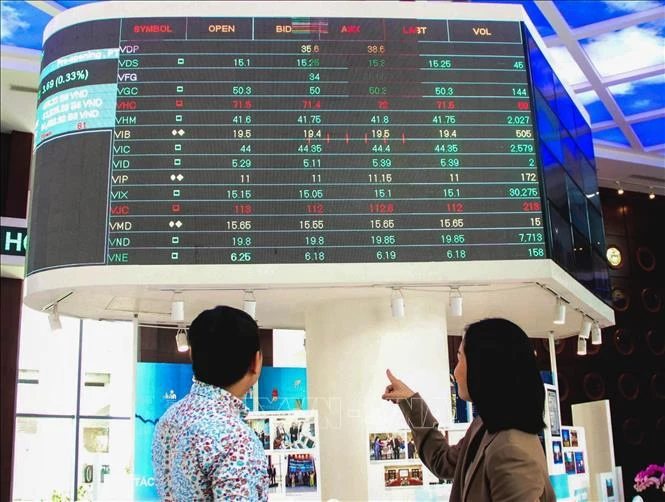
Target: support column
350, 343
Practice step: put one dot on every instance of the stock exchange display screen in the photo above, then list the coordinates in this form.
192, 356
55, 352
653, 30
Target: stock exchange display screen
284, 140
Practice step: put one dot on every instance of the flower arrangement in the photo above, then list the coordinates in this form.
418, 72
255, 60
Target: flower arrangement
654, 475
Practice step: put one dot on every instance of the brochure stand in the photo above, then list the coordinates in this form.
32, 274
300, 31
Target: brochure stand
566, 453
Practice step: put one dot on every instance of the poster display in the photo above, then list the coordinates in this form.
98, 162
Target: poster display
395, 471
291, 441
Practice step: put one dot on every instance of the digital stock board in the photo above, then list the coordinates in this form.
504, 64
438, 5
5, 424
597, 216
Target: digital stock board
274, 140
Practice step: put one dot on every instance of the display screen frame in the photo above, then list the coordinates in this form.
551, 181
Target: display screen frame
393, 11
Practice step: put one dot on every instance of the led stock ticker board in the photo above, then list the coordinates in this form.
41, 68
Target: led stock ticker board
285, 140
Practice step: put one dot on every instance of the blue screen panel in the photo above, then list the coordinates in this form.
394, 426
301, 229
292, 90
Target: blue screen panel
578, 214
583, 263
562, 240
555, 180
601, 278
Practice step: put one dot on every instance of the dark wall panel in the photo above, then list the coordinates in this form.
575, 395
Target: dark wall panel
10, 301
15, 158
628, 368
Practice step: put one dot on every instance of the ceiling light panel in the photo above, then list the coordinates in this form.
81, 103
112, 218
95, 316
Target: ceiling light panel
651, 132
627, 50
613, 135
23, 25
584, 12
595, 107
643, 95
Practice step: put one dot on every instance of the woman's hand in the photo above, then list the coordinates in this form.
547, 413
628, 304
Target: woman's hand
396, 390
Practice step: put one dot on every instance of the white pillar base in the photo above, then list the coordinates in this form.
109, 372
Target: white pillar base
350, 344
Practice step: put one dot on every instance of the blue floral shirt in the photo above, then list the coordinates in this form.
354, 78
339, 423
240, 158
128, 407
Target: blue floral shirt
203, 450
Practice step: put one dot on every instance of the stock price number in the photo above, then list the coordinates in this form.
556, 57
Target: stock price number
315, 240
311, 225
239, 225
530, 237
241, 90
523, 192
243, 257
450, 148
386, 255
450, 162
314, 256
238, 194
243, 163
381, 162
241, 241
307, 193
381, 178
444, 91
456, 254
451, 222
518, 120
453, 239
383, 224
383, 240
308, 62
380, 207
531, 206
521, 148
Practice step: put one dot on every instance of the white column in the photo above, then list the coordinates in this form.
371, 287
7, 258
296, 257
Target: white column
350, 343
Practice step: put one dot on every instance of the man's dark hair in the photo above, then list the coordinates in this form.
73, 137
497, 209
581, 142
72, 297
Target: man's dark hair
502, 377
223, 343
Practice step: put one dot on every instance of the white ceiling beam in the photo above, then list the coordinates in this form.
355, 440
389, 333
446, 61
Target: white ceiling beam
622, 78
51, 8
650, 115
605, 150
657, 149
602, 126
557, 21
631, 119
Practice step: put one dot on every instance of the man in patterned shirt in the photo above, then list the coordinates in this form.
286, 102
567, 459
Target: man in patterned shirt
202, 449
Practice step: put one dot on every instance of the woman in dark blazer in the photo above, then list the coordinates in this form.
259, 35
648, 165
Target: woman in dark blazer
500, 458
